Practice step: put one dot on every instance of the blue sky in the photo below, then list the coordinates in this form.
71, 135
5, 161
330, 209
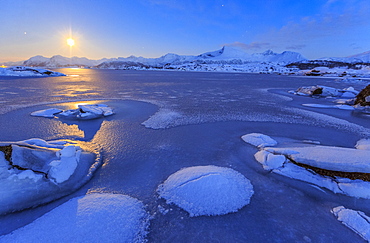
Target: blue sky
152, 28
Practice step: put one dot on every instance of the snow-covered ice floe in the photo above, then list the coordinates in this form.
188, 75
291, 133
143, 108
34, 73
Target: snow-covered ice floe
33, 172
83, 112
357, 221
207, 190
28, 71
341, 170
325, 91
91, 218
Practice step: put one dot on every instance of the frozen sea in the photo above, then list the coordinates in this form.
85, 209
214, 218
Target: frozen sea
165, 121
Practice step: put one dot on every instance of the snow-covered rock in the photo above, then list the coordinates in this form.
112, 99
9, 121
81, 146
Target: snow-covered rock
84, 112
34, 171
28, 71
357, 221
323, 166
90, 218
259, 140
207, 190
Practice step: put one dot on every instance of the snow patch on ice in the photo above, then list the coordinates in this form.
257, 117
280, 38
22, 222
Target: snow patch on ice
207, 190
90, 218
162, 118
259, 140
357, 221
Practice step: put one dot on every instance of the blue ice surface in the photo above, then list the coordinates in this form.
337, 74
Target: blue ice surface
201, 117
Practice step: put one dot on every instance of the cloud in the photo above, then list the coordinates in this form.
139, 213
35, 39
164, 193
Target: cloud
296, 47
337, 18
251, 46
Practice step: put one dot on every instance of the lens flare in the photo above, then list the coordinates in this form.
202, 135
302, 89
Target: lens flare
70, 42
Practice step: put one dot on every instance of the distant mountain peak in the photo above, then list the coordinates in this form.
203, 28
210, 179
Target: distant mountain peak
268, 53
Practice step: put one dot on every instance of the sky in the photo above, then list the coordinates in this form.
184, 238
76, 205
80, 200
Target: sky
152, 28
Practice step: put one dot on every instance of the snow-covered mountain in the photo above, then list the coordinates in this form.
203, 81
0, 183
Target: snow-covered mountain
60, 61
358, 58
226, 55
362, 57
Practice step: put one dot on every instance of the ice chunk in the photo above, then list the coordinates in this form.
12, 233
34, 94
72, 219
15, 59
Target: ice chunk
329, 158
299, 173
47, 112
357, 221
26, 174
27, 179
84, 112
90, 218
363, 144
259, 140
62, 169
207, 190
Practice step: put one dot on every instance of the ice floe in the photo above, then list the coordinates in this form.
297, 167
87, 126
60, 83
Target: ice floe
83, 112
325, 91
357, 221
259, 140
34, 171
28, 71
363, 144
90, 218
207, 190
328, 157
342, 107
341, 170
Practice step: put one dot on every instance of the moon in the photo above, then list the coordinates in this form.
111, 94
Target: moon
70, 42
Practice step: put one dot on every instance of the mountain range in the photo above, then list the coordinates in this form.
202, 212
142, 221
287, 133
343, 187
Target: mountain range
226, 55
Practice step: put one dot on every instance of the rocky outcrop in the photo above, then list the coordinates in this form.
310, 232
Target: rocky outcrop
363, 98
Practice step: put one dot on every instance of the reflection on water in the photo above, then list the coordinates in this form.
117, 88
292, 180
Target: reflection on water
84, 129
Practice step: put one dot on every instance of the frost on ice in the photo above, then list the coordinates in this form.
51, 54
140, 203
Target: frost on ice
357, 221
83, 112
207, 190
90, 218
34, 171
341, 170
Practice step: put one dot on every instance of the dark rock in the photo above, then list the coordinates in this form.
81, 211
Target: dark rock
363, 98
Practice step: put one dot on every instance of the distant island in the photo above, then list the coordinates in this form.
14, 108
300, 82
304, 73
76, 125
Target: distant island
227, 59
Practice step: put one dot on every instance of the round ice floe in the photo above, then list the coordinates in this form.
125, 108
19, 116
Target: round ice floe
207, 190
259, 140
91, 218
